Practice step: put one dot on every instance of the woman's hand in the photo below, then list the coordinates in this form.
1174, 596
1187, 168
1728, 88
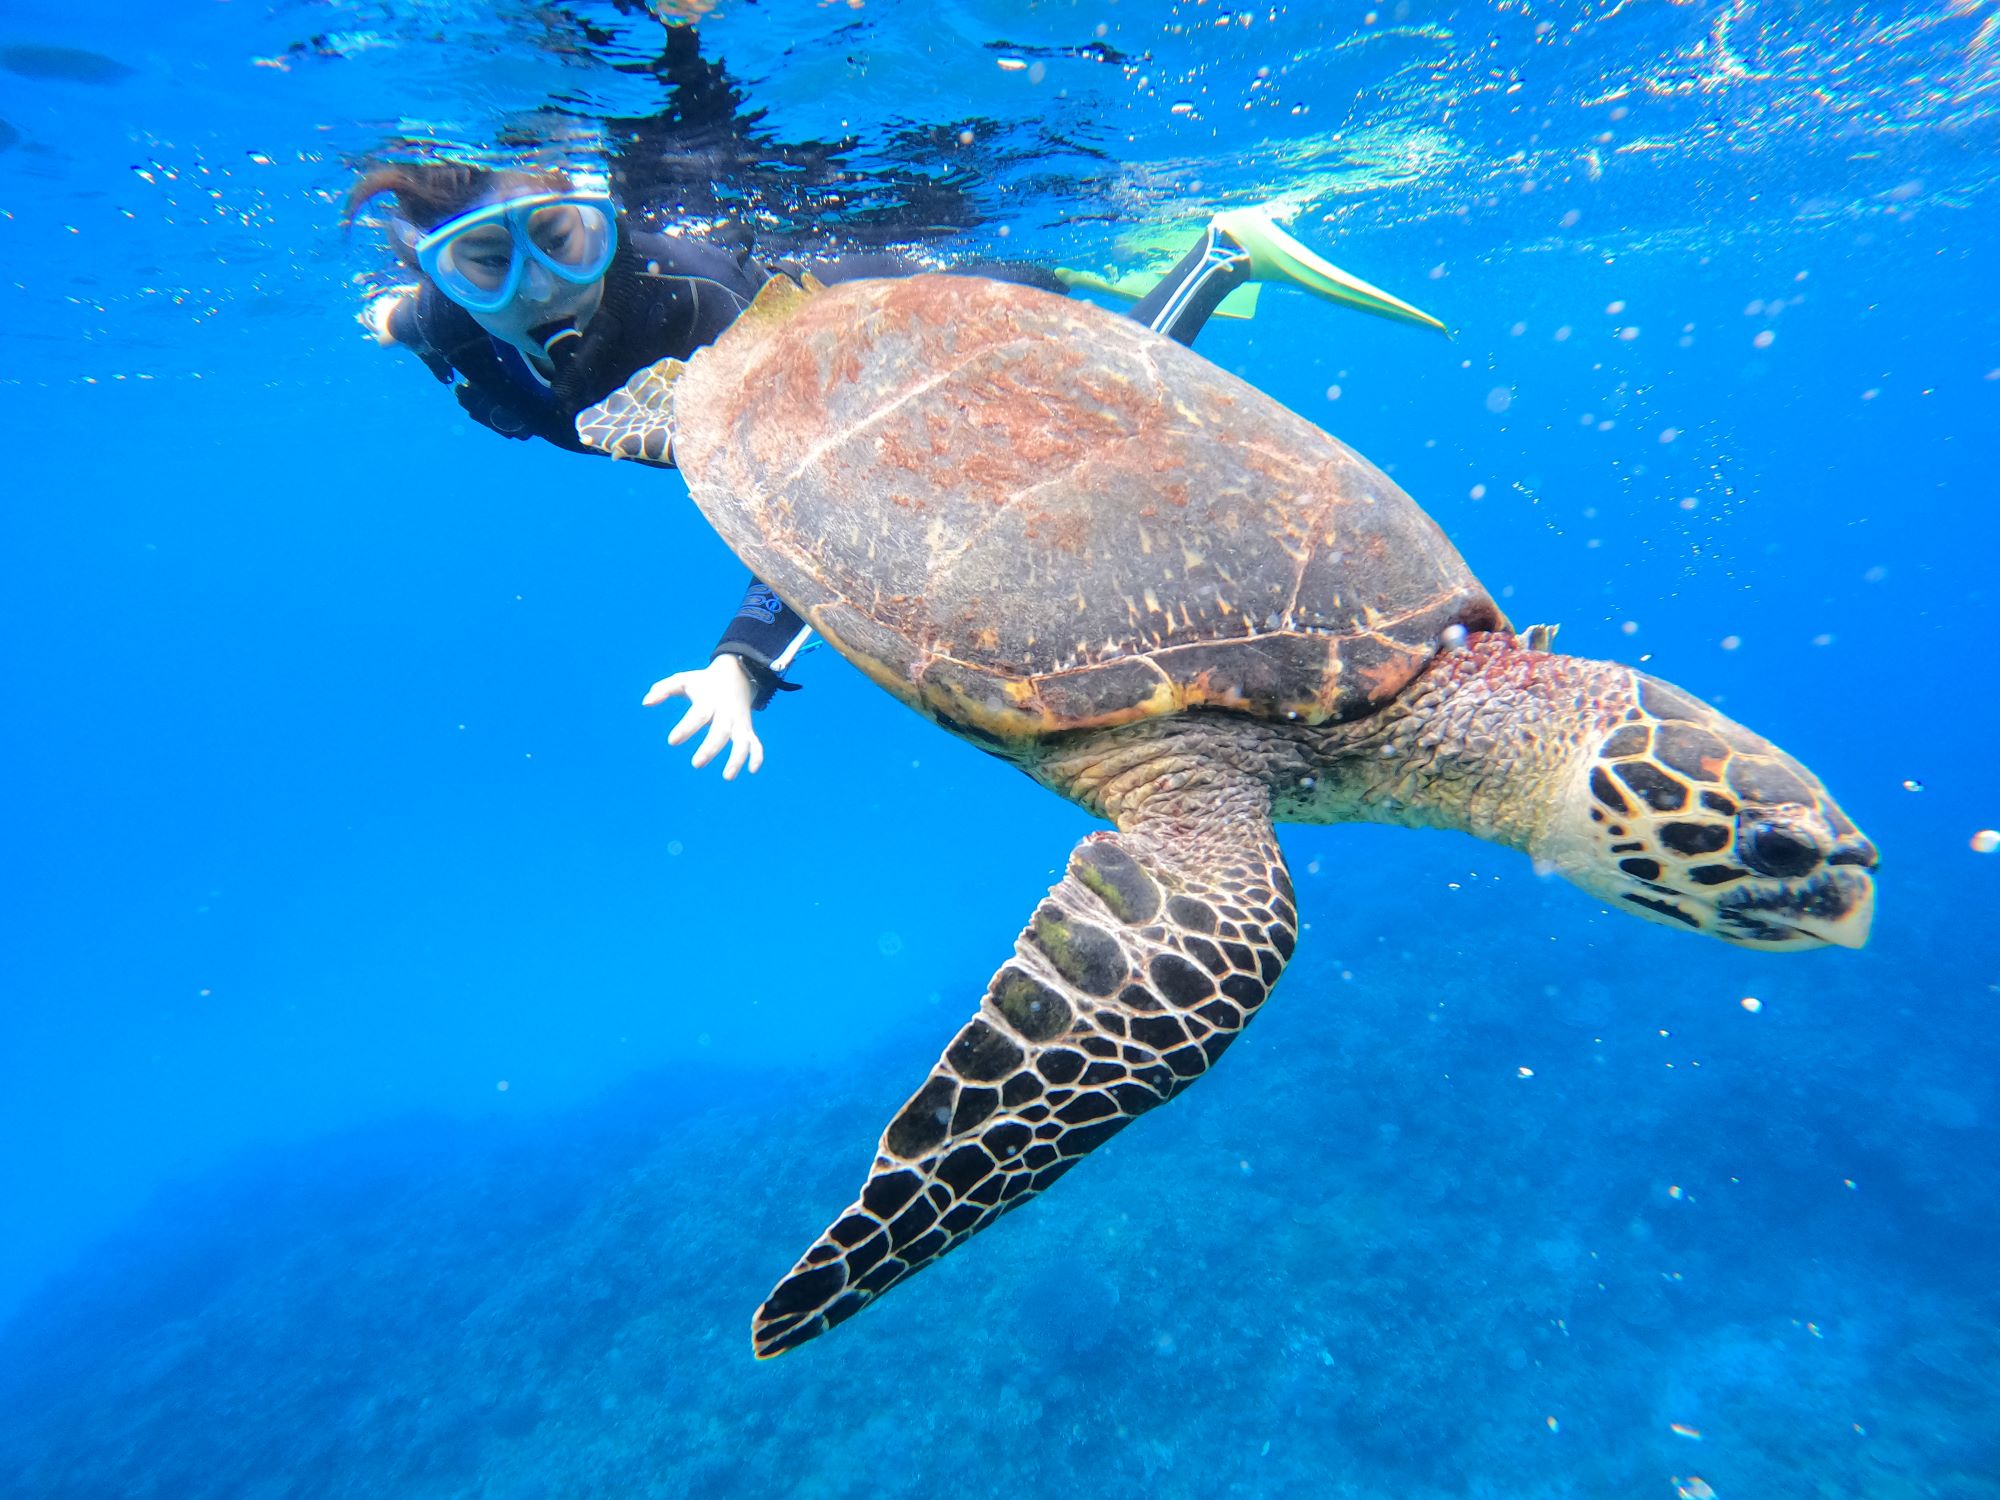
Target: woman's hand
718, 697
379, 309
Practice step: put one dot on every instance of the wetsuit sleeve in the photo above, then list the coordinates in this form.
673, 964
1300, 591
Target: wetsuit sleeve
494, 415
410, 326
686, 294
403, 324
763, 627
683, 255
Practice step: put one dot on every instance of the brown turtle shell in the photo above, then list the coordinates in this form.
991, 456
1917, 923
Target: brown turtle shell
1026, 515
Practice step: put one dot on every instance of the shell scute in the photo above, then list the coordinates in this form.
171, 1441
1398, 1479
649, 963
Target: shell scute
1025, 515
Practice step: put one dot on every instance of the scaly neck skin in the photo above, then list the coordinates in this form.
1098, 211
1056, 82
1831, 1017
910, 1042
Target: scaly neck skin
1489, 740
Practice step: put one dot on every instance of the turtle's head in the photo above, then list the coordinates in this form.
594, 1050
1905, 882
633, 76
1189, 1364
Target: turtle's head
1683, 817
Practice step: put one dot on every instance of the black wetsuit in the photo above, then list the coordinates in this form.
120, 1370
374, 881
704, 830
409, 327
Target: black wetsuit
665, 297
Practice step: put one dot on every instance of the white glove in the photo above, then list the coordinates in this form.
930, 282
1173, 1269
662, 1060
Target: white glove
718, 697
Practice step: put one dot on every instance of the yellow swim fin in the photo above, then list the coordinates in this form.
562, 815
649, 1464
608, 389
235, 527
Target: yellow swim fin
1276, 256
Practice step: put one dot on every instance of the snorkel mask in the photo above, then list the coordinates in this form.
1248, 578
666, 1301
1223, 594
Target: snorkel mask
486, 258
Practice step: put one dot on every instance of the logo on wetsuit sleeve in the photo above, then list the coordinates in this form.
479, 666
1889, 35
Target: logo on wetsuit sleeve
759, 604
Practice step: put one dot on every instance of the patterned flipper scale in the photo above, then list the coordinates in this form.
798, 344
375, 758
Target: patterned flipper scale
1137, 970
637, 419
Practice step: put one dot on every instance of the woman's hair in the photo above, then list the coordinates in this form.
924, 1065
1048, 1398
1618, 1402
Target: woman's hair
430, 193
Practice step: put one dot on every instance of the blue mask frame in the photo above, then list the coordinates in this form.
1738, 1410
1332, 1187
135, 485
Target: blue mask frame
513, 214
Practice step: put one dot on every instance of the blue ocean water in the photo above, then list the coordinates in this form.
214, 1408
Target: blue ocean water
414, 1074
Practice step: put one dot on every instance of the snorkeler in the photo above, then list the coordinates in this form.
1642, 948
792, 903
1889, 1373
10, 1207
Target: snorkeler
538, 298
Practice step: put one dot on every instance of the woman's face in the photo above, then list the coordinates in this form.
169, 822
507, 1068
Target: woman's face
531, 309
485, 256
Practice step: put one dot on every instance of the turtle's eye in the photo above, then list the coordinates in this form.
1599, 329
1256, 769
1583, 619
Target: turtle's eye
1784, 852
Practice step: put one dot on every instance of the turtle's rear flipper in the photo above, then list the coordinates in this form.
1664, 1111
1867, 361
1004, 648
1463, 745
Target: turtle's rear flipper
1143, 963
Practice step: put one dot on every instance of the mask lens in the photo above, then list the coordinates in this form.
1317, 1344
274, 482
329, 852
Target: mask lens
574, 240
478, 259
558, 233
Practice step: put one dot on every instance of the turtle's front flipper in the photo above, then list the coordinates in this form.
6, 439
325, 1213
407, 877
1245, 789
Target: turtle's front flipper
1143, 963
637, 419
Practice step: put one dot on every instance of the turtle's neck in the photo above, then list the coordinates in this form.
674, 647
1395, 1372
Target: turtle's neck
1484, 741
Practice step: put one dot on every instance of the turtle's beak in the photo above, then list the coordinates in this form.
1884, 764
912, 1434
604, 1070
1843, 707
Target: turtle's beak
1843, 908
1849, 929
1835, 905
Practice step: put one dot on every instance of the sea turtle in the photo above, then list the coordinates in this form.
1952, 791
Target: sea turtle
1169, 599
